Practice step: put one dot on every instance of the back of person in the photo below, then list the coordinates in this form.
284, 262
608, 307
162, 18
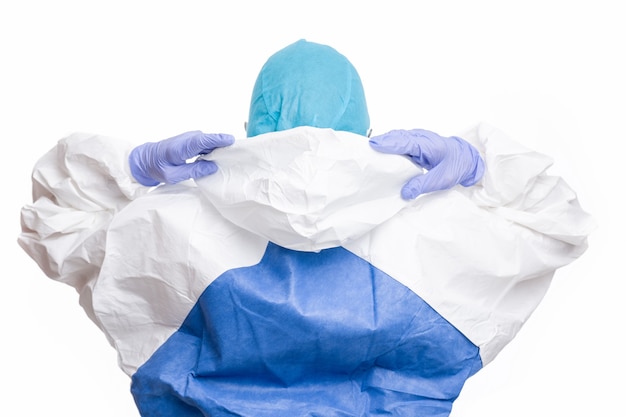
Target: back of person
294, 280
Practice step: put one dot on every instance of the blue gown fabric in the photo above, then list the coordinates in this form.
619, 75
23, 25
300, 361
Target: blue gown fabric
307, 334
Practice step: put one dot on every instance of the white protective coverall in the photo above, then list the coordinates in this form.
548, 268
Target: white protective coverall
337, 274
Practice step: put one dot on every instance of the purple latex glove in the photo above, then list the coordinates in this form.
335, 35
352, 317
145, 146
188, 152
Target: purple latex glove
165, 161
449, 160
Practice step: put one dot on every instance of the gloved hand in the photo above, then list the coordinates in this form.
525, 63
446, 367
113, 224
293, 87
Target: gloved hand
165, 161
449, 160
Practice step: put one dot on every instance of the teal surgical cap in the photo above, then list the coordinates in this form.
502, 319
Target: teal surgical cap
308, 84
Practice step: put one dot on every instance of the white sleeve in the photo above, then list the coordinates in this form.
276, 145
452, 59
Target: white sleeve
484, 256
78, 186
517, 187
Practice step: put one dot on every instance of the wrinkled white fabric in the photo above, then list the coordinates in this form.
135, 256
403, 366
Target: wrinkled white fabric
482, 256
307, 189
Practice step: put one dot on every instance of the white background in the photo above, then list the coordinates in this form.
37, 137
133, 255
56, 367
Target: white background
549, 73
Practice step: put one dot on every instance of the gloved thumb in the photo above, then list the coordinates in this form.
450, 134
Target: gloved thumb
413, 188
193, 170
436, 179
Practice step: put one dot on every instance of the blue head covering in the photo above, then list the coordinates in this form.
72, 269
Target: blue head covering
308, 84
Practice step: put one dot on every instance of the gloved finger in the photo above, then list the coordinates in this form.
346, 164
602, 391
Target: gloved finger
399, 142
210, 141
193, 170
193, 143
202, 143
425, 148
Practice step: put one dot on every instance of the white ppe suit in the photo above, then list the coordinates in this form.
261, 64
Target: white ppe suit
295, 280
